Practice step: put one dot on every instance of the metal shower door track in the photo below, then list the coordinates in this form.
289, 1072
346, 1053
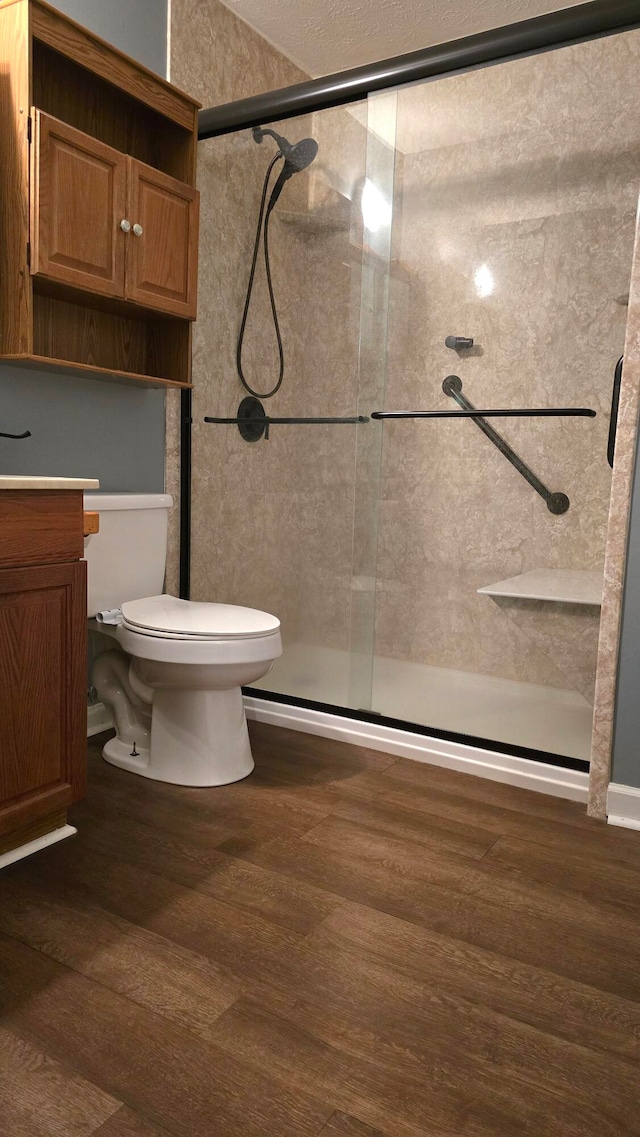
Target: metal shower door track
542, 33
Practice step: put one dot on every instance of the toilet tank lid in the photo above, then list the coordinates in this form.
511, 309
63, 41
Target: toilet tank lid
104, 501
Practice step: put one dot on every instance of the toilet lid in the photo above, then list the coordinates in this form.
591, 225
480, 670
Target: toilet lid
171, 617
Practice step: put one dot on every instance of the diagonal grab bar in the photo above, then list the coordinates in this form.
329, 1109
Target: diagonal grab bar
556, 502
452, 386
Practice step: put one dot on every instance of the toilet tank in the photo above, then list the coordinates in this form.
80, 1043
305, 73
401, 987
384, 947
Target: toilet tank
126, 559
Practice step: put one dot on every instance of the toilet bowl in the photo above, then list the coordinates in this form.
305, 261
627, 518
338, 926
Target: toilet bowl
173, 684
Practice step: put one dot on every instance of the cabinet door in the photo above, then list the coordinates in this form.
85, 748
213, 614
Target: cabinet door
43, 661
162, 247
78, 200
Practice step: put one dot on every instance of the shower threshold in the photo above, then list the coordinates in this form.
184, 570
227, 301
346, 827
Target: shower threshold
528, 715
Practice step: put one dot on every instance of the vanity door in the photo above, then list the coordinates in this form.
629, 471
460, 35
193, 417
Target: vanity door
42, 700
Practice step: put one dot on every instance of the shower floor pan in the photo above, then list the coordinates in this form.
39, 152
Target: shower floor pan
500, 710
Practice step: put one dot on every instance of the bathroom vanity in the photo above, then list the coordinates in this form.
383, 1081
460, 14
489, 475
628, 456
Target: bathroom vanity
43, 660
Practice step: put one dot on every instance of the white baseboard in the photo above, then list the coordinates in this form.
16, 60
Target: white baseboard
489, 764
38, 843
98, 719
522, 772
623, 806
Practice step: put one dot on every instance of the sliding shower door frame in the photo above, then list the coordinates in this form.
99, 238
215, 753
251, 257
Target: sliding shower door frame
549, 32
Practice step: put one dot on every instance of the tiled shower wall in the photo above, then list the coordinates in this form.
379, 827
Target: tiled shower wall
523, 176
528, 168
217, 58
272, 521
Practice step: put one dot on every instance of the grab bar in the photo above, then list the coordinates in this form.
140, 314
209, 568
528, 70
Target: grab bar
615, 403
253, 422
490, 412
556, 502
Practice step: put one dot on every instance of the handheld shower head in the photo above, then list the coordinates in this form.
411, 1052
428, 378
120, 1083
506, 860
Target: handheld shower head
301, 154
297, 156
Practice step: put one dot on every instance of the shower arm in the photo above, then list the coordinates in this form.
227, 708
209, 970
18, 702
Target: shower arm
556, 502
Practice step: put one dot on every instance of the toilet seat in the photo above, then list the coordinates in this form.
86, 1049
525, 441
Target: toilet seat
169, 618
152, 629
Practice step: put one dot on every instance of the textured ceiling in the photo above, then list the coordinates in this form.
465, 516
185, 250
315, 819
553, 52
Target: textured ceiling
322, 37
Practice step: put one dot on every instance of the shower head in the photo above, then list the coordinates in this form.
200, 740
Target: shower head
301, 154
297, 156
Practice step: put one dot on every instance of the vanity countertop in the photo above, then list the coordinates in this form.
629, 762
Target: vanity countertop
33, 482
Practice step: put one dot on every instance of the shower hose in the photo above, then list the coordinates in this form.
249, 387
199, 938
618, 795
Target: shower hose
274, 311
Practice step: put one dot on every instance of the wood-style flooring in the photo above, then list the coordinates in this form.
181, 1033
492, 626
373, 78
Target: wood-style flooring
344, 944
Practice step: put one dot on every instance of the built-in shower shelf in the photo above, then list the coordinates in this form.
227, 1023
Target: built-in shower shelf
325, 220
317, 221
564, 586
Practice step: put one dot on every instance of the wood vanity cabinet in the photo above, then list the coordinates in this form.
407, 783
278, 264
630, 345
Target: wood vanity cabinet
43, 660
98, 209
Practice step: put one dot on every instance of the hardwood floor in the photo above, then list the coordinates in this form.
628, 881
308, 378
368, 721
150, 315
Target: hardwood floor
344, 944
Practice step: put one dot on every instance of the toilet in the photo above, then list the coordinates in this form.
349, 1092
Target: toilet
173, 677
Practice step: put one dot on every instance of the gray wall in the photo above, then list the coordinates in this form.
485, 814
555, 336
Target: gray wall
138, 27
85, 427
626, 745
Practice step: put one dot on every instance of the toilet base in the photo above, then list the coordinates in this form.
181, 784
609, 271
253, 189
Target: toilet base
198, 738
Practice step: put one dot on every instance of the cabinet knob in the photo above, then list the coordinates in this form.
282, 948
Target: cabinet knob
125, 225
137, 229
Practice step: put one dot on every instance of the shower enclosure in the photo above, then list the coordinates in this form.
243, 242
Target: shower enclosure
460, 244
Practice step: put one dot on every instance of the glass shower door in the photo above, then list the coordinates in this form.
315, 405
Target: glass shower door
274, 520
508, 270
372, 230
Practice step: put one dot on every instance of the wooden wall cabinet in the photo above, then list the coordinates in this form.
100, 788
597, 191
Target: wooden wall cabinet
43, 654
109, 224
98, 211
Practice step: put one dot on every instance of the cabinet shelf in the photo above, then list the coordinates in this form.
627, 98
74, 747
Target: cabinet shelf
67, 366
70, 92
104, 338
